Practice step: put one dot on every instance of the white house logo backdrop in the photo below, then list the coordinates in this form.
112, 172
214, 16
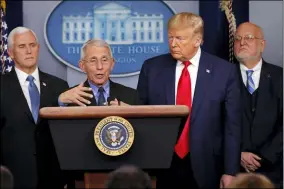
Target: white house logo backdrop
136, 31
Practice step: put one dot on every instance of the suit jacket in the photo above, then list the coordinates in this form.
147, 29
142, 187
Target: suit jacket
215, 116
120, 92
26, 148
264, 136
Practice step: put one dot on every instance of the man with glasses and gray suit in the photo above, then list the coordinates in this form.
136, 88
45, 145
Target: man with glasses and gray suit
262, 97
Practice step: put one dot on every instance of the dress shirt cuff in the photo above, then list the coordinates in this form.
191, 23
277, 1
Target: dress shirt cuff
61, 104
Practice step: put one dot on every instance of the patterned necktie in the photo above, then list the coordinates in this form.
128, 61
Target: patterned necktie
101, 98
250, 83
184, 98
34, 96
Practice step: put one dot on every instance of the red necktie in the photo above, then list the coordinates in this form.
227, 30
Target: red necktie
184, 98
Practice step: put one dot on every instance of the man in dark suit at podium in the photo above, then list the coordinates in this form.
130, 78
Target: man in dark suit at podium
262, 98
207, 153
98, 90
26, 146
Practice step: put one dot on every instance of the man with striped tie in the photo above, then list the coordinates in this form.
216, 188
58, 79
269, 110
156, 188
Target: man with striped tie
262, 97
26, 145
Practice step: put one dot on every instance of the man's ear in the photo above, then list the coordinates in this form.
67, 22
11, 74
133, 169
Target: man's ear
11, 53
263, 44
82, 66
198, 41
113, 62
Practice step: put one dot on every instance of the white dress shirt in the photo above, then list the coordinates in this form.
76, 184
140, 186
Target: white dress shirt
255, 74
22, 77
192, 68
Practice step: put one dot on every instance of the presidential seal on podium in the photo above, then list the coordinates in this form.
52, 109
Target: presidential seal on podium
114, 136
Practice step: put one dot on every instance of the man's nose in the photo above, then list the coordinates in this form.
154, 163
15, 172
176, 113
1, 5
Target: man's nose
29, 50
173, 44
243, 41
99, 65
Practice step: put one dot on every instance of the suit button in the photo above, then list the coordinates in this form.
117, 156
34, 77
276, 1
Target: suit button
253, 109
35, 154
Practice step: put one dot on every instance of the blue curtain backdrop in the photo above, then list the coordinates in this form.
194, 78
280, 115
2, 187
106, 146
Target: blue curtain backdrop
14, 14
216, 27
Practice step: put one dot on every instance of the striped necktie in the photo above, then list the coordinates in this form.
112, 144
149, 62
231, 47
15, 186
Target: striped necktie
250, 83
34, 96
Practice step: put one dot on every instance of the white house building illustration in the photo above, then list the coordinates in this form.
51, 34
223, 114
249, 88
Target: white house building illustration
114, 23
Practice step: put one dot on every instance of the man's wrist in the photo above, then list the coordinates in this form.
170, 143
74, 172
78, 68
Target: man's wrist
62, 104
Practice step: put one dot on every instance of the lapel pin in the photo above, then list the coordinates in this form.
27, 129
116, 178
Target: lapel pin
44, 84
208, 71
268, 75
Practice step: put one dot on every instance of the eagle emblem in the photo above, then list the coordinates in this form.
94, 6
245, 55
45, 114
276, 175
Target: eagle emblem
113, 136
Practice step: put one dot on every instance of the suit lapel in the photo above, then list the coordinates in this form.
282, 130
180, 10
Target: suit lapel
203, 81
113, 93
43, 89
263, 95
169, 81
93, 100
19, 95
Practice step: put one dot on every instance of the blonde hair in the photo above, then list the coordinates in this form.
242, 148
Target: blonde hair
251, 180
187, 20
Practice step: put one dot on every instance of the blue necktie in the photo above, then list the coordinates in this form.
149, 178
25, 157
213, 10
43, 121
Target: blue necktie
101, 98
250, 83
34, 96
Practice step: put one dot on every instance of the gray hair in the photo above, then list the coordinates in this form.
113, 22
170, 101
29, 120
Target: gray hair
97, 43
18, 30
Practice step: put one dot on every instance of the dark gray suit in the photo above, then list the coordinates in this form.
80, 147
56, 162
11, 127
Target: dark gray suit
262, 121
26, 147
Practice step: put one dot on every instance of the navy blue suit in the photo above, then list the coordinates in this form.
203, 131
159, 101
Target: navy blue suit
215, 122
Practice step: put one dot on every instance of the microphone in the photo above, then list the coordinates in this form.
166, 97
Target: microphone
111, 98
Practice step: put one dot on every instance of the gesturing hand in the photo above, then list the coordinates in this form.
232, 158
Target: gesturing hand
77, 95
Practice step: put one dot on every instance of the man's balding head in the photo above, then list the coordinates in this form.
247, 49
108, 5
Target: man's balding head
258, 29
7, 181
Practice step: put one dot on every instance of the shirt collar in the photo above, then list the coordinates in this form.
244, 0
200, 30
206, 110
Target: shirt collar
22, 76
195, 59
95, 88
256, 68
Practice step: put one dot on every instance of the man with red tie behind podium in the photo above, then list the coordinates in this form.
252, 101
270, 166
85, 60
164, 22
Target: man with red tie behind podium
207, 152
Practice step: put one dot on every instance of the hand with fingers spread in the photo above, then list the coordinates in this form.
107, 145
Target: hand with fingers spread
250, 161
78, 95
115, 102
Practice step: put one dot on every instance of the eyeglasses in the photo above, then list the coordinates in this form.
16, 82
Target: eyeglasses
95, 61
247, 38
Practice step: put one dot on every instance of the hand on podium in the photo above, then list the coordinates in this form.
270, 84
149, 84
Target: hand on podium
115, 102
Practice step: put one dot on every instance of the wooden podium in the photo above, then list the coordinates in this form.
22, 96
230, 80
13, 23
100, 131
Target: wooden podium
72, 129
